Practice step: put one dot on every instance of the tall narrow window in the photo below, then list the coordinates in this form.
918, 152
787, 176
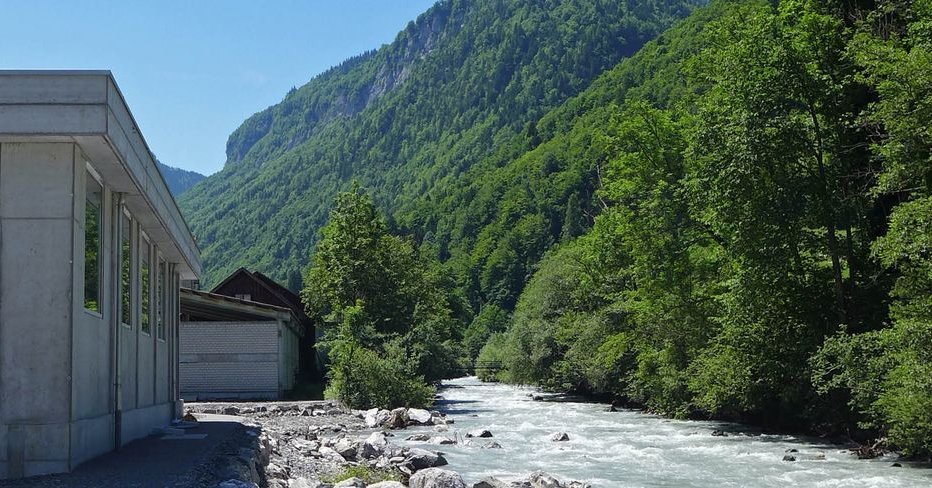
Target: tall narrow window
126, 266
160, 305
92, 254
144, 290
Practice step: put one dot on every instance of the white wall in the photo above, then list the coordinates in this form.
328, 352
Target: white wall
229, 360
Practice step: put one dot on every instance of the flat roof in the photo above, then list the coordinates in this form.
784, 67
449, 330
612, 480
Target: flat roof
86, 107
216, 307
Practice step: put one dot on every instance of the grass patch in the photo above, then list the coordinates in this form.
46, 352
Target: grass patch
365, 473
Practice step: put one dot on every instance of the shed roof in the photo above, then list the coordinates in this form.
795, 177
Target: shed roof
213, 307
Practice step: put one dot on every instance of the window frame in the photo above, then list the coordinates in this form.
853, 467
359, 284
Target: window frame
145, 284
92, 176
127, 222
161, 297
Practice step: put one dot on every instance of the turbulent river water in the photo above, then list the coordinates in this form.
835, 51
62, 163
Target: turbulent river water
632, 449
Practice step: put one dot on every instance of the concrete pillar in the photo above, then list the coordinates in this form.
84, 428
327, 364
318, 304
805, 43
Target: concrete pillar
36, 278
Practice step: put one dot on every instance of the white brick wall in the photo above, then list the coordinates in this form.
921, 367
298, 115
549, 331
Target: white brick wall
229, 357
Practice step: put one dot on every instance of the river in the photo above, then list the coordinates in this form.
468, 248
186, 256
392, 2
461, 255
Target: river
633, 449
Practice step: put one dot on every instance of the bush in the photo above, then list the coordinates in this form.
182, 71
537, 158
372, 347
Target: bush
363, 379
365, 473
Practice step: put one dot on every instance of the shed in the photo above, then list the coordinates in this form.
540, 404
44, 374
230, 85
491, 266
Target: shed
233, 348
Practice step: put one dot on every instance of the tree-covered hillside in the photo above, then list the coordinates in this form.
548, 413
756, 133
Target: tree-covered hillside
455, 89
179, 180
760, 247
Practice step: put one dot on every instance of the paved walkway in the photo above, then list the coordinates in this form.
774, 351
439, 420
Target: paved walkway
153, 462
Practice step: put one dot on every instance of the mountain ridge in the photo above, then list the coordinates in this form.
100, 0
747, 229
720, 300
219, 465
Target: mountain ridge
476, 85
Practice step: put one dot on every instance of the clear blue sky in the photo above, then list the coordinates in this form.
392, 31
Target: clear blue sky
193, 70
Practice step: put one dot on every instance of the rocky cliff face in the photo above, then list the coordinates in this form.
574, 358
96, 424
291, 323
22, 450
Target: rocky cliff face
340, 92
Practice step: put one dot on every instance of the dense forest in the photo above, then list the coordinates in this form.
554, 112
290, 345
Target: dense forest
732, 220
761, 249
454, 90
178, 180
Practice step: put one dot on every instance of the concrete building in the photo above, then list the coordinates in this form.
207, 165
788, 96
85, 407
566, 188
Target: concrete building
92, 251
234, 348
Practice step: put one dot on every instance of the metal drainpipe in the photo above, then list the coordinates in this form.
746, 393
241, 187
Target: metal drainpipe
118, 328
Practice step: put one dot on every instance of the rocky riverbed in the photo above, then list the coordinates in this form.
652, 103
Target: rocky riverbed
312, 444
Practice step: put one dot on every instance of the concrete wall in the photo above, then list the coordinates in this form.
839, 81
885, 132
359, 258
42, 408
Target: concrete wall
36, 232
236, 359
59, 380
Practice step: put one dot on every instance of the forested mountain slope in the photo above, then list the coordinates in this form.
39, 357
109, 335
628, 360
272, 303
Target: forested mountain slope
455, 90
179, 180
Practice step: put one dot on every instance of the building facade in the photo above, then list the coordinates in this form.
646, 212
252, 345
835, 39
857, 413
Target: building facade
92, 252
257, 287
233, 348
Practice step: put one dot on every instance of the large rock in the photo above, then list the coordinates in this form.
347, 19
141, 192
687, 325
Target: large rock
375, 417
560, 437
329, 453
387, 484
397, 419
478, 433
419, 459
351, 483
490, 482
544, 480
346, 448
373, 446
436, 478
419, 417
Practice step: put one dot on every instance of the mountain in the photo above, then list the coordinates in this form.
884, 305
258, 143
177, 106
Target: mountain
179, 180
456, 94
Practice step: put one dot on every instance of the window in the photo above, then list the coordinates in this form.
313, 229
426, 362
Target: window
92, 244
126, 266
144, 290
160, 301
246, 297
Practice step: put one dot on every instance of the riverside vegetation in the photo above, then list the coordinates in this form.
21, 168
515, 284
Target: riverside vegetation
733, 222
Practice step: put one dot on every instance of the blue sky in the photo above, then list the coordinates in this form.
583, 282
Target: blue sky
193, 70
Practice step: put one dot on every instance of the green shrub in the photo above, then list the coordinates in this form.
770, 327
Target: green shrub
365, 473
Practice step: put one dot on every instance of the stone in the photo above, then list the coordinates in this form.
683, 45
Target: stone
418, 438
373, 446
490, 482
303, 483
719, 433
544, 480
275, 471
231, 411
442, 441
397, 419
791, 450
419, 459
478, 433
436, 478
492, 445
387, 484
329, 453
351, 483
788, 457
560, 437
419, 416
346, 448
